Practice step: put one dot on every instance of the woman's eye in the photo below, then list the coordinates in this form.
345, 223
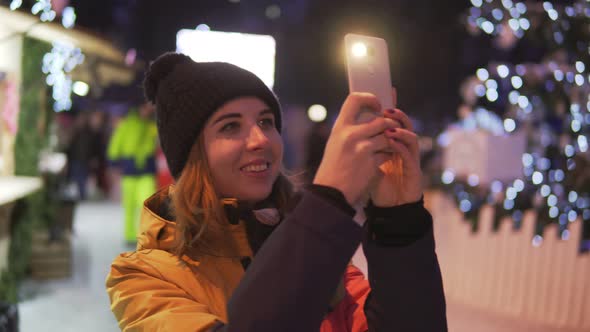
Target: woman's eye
267, 123
232, 126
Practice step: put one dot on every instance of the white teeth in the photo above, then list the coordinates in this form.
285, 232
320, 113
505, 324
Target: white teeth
255, 168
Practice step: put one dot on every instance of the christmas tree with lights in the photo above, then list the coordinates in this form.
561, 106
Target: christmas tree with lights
536, 83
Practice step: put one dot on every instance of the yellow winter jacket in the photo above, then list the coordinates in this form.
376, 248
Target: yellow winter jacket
153, 290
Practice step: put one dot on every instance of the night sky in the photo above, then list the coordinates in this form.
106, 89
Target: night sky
425, 39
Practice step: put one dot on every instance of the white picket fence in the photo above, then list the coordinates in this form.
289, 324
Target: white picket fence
502, 272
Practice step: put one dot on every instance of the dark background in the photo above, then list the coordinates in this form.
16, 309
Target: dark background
425, 39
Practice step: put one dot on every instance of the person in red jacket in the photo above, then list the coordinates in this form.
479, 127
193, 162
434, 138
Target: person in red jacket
231, 247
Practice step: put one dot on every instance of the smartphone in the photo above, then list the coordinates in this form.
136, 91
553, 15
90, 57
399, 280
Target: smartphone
367, 67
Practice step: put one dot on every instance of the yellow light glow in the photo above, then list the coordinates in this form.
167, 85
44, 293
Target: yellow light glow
80, 88
359, 49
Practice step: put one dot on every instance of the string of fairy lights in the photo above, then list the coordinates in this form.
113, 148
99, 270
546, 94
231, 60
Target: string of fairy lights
526, 94
63, 57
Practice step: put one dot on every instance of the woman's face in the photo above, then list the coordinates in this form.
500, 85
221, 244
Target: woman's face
244, 149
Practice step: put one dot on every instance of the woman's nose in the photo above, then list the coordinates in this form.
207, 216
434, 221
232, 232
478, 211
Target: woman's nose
256, 139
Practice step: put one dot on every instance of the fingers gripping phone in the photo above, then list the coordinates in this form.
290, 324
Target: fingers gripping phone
367, 64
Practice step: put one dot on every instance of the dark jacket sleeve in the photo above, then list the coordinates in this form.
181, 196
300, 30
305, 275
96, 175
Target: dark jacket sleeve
406, 285
289, 285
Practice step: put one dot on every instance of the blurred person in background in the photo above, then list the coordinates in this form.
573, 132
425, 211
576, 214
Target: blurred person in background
230, 247
84, 152
315, 144
132, 149
98, 125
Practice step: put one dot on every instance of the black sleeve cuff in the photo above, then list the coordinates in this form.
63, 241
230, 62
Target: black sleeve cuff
397, 226
333, 196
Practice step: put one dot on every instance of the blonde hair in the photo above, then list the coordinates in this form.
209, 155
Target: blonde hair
196, 205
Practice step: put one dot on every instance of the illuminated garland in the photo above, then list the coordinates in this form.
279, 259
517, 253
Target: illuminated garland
553, 96
63, 57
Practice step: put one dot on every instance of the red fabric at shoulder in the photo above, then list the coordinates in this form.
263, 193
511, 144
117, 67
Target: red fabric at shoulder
348, 315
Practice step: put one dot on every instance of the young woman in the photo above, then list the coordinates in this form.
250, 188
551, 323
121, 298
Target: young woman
228, 249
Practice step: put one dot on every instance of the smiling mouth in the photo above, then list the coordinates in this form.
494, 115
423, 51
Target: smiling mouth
256, 168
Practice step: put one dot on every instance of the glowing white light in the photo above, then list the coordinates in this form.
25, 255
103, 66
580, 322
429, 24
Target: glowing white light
496, 186
487, 27
583, 143
537, 177
524, 23
572, 197
255, 53
569, 150
492, 84
516, 82
203, 27
503, 71
543, 164
482, 74
465, 205
518, 185
558, 74
537, 241
473, 180
572, 216
521, 7
545, 190
359, 50
565, 235
507, 4
575, 108
559, 175
477, 3
513, 97
576, 126
509, 125
15, 4
492, 95
273, 12
553, 14
571, 164
448, 176
57, 64
498, 14
547, 5
527, 159
508, 204
68, 17
579, 80
580, 67
80, 88
514, 24
317, 113
511, 193
523, 101
552, 200
553, 212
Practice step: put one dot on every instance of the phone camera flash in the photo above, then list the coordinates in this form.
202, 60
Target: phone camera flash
359, 50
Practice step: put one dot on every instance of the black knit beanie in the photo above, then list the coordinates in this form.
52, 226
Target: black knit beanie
186, 93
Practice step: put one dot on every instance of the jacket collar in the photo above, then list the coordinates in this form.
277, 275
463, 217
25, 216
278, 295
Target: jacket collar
157, 228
